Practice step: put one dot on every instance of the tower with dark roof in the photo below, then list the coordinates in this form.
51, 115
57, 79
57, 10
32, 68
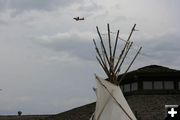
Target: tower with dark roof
149, 89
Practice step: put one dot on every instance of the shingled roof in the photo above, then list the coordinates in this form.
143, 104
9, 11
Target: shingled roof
155, 68
150, 71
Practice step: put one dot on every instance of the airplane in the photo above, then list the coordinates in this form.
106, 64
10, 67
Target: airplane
78, 18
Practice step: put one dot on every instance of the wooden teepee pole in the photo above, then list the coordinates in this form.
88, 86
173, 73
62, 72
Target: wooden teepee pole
100, 59
103, 45
123, 57
109, 38
130, 64
107, 58
111, 65
125, 46
114, 51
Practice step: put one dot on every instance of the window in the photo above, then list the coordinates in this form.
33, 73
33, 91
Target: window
134, 86
147, 85
158, 85
127, 88
168, 85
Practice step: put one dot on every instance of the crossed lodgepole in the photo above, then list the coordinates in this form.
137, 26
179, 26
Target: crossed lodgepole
106, 55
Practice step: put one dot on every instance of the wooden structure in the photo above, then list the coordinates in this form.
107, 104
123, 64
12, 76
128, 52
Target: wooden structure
110, 103
106, 55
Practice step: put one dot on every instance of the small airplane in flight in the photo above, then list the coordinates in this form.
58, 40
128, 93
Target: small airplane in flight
78, 18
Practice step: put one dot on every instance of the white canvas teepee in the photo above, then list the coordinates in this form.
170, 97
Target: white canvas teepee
111, 104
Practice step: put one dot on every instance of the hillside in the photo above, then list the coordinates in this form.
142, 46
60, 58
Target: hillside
80, 113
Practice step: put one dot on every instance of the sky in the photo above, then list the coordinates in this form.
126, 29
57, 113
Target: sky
47, 59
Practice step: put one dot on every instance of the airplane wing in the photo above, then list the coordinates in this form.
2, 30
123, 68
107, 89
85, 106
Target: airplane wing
78, 18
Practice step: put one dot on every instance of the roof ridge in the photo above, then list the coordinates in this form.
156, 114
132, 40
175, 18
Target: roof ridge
155, 68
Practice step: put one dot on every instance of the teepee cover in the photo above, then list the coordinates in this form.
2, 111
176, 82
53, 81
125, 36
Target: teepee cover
111, 104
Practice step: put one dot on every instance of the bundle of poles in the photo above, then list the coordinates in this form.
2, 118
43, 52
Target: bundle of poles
106, 55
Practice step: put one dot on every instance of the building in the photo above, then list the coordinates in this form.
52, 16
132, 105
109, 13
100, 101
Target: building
147, 90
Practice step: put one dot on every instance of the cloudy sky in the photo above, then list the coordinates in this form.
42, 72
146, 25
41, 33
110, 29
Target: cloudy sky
47, 60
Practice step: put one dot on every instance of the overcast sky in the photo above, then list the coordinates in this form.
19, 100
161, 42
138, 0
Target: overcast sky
47, 59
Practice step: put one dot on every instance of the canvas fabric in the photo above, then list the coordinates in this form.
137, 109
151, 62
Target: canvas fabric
111, 103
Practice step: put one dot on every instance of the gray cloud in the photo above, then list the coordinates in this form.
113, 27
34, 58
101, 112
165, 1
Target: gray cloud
77, 44
14, 9
163, 50
90, 6
40, 75
23, 5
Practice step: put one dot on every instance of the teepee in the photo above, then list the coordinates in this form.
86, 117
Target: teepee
111, 103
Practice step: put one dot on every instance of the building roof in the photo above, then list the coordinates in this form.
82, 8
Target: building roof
155, 68
150, 72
